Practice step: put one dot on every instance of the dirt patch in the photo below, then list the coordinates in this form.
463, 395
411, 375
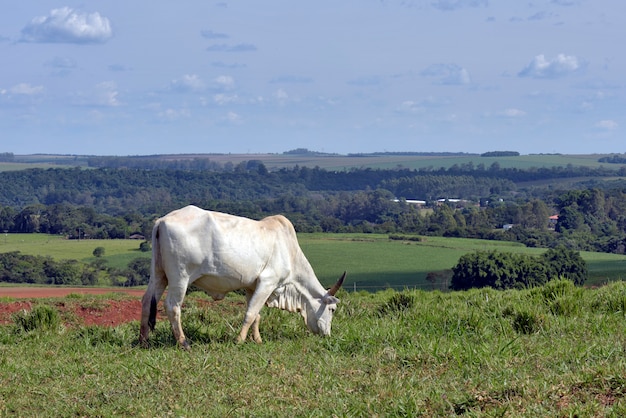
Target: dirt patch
57, 292
88, 311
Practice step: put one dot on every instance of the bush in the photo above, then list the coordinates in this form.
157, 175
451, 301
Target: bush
502, 270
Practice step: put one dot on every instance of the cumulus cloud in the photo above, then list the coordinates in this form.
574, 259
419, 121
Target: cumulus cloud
107, 94
560, 66
22, 94
224, 82
448, 74
66, 25
233, 118
25, 89
607, 125
410, 106
231, 48
223, 99
104, 94
174, 114
188, 82
281, 95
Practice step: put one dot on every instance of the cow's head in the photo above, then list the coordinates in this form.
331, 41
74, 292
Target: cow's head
318, 314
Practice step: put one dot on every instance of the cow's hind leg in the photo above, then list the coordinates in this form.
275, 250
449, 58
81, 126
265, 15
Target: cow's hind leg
173, 303
149, 302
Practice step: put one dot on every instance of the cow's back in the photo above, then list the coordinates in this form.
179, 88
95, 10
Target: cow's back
224, 251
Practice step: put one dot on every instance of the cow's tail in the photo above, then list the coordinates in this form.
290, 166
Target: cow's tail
156, 287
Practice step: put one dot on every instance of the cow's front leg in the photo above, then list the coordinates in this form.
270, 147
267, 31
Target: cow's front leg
255, 301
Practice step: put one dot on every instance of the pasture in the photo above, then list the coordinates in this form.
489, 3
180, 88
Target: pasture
373, 261
550, 351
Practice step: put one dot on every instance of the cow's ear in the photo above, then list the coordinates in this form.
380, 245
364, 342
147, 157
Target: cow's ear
328, 299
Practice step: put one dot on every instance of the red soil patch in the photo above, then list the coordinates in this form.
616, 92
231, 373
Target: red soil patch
56, 292
103, 312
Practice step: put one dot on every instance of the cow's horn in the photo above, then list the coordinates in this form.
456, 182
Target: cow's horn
337, 285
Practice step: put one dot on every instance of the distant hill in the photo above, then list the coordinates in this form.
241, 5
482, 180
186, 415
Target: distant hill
303, 157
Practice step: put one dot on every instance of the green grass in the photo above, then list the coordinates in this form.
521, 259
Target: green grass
551, 351
118, 252
372, 261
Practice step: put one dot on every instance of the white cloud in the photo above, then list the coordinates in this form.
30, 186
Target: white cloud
559, 66
512, 113
65, 25
233, 117
22, 94
225, 82
607, 125
448, 74
410, 106
26, 89
174, 114
281, 95
222, 99
188, 82
104, 94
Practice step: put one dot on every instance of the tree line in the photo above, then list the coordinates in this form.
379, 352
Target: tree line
16, 267
118, 203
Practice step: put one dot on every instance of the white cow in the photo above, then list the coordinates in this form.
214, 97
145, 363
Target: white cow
220, 253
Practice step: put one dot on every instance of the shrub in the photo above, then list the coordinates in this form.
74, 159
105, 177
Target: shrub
502, 270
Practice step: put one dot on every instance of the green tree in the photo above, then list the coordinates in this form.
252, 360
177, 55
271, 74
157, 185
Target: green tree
566, 263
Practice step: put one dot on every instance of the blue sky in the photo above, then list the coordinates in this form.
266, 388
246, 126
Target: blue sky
153, 77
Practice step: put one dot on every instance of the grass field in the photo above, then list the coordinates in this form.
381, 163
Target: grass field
554, 351
373, 261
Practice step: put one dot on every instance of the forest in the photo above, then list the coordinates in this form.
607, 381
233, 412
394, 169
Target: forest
577, 207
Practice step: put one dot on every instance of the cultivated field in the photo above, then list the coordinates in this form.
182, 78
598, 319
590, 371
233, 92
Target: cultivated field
552, 351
